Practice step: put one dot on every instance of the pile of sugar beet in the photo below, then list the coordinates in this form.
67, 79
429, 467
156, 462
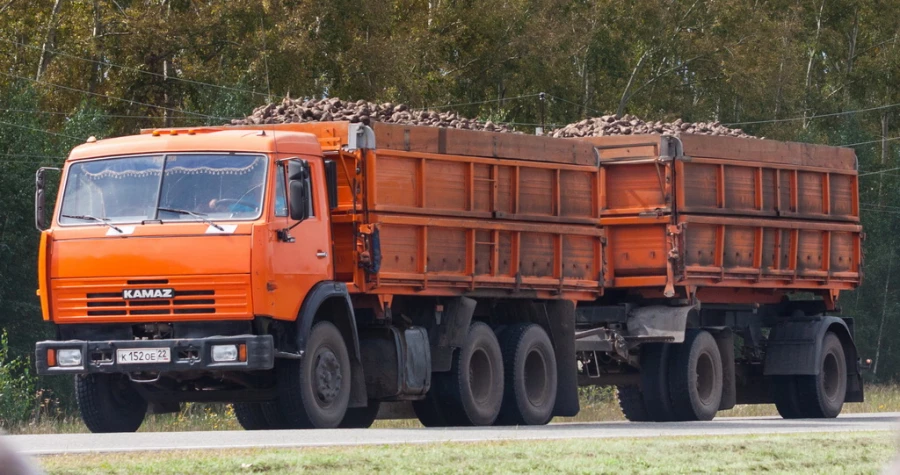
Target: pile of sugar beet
324, 110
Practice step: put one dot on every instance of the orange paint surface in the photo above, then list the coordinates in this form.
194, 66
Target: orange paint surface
479, 215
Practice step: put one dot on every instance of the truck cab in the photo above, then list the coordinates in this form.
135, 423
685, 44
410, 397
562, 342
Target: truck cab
169, 256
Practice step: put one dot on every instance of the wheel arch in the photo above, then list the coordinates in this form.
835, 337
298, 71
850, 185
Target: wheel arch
329, 301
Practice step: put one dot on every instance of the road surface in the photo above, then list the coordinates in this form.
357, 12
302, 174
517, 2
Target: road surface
157, 441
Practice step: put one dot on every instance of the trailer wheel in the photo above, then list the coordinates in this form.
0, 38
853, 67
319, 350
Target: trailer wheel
314, 392
109, 403
530, 378
655, 381
822, 395
257, 415
784, 393
475, 380
696, 378
631, 401
361, 417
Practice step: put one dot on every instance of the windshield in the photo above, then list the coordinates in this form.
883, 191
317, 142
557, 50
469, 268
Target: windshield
133, 189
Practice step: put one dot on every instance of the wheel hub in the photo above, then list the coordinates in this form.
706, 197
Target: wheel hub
328, 377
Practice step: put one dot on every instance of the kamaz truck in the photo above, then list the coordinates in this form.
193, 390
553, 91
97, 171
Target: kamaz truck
309, 273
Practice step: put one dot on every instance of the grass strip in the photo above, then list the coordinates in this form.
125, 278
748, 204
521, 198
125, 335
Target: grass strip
854, 452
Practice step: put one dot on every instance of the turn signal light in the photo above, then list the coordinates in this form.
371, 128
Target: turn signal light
51, 357
242, 353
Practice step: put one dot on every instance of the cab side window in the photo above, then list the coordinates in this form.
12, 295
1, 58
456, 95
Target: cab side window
281, 209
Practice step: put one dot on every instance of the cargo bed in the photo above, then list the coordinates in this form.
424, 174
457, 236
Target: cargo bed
431, 211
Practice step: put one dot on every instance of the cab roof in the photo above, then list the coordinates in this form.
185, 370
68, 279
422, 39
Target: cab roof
200, 140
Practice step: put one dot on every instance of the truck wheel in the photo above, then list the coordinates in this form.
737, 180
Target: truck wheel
695, 378
257, 415
529, 364
361, 417
655, 381
475, 379
784, 393
109, 403
430, 410
822, 395
631, 401
313, 392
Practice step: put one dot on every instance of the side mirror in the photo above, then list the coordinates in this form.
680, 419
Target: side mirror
40, 215
298, 189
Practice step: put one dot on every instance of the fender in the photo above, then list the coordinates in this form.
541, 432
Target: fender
794, 348
320, 293
330, 291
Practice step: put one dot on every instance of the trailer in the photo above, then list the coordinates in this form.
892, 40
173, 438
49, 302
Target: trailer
308, 273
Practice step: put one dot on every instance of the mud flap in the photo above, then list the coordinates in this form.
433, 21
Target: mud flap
561, 321
725, 342
794, 347
659, 321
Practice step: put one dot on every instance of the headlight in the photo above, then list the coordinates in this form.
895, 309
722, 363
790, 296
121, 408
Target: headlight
68, 357
222, 353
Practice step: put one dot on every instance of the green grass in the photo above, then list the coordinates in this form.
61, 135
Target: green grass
597, 404
861, 452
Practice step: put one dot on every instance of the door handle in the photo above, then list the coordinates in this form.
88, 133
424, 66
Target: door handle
321, 254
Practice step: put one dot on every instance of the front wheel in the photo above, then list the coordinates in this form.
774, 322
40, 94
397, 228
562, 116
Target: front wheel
361, 417
109, 403
257, 415
314, 392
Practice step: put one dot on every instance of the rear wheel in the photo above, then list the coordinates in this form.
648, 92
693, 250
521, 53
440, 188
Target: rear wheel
696, 378
655, 381
314, 392
109, 403
530, 378
784, 392
822, 395
631, 401
475, 382
361, 417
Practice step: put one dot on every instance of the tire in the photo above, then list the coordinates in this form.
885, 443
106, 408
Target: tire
530, 379
655, 381
475, 385
361, 417
631, 401
784, 393
257, 415
696, 378
109, 403
314, 392
822, 396
430, 410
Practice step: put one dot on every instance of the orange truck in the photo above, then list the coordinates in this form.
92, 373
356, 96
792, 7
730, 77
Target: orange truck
309, 273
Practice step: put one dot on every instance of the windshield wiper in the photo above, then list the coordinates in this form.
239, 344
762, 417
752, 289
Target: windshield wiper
88, 217
191, 213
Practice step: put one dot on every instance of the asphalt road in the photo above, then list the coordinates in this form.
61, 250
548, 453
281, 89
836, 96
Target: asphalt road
157, 441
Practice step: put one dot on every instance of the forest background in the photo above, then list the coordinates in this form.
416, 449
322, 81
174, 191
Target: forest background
820, 71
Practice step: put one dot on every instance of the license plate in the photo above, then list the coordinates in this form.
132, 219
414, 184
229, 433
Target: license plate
144, 355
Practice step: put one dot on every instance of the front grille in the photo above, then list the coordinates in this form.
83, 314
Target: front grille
222, 296
104, 304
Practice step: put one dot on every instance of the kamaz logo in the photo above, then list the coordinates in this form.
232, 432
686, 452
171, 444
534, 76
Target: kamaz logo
132, 294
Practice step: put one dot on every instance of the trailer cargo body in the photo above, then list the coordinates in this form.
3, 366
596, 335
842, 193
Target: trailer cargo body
483, 276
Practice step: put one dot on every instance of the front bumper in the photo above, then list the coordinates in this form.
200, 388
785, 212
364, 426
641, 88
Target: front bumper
187, 354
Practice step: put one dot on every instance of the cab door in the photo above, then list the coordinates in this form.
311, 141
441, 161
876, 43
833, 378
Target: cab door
299, 252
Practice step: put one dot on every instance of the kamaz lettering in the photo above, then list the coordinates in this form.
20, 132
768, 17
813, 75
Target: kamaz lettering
131, 294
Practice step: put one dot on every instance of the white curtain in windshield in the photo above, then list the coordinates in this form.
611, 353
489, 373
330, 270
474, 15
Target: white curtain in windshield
129, 189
